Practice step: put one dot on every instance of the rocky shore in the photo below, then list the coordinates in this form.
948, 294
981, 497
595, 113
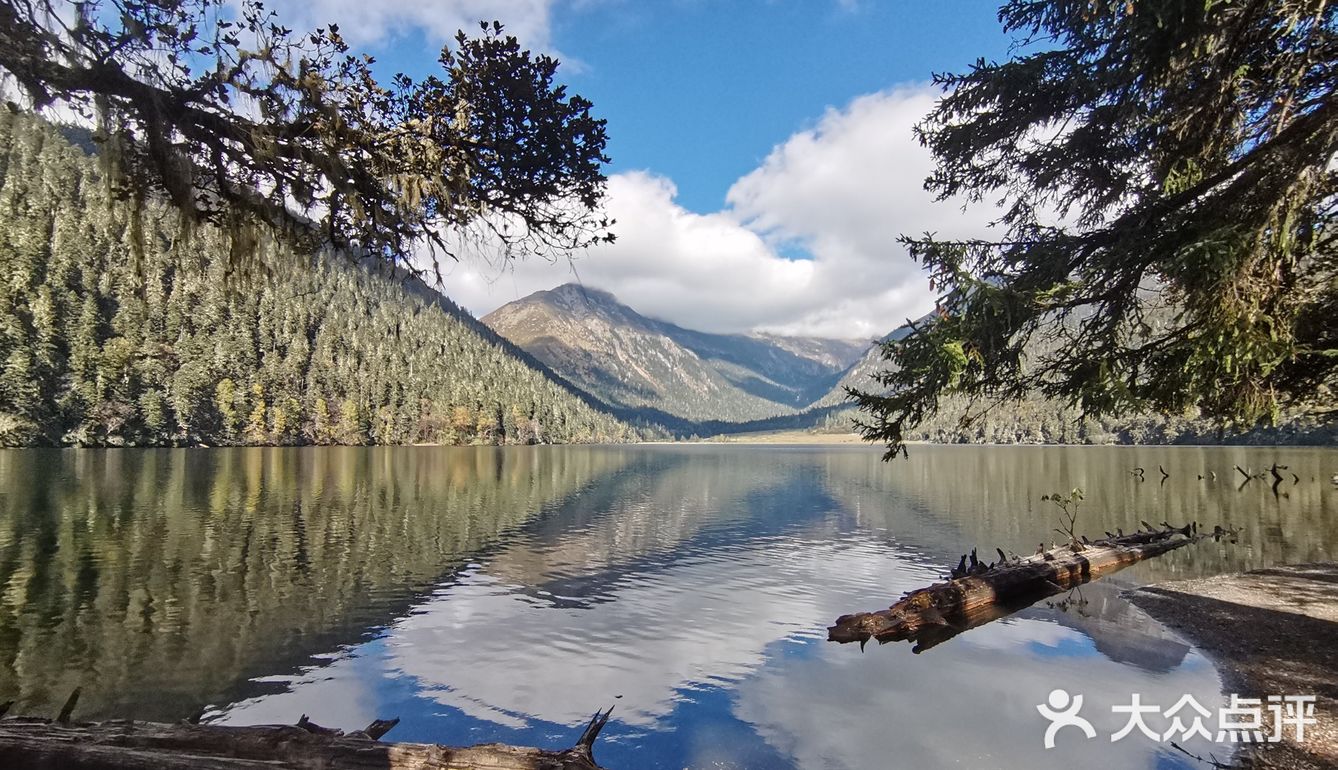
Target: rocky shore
1271, 632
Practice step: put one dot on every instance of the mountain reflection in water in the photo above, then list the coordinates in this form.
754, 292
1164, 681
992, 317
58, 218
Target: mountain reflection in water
506, 594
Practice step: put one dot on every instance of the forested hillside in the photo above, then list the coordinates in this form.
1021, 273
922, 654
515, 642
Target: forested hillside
184, 346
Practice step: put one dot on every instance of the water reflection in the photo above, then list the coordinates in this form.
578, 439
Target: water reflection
510, 593
991, 496
163, 580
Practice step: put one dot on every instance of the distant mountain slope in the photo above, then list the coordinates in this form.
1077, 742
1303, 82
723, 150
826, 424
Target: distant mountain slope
860, 374
1037, 419
633, 362
836, 354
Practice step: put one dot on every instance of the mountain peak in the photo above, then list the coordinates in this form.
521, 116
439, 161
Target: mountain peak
578, 292
633, 362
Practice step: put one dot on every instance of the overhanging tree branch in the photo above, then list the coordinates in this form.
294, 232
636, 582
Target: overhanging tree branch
240, 123
1198, 154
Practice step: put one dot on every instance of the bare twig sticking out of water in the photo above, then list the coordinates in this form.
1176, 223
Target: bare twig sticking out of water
1212, 762
1278, 478
68, 708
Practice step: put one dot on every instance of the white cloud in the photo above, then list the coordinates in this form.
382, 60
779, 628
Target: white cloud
488, 648
703, 271
372, 22
965, 703
842, 191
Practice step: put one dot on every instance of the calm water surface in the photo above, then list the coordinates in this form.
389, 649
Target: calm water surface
486, 594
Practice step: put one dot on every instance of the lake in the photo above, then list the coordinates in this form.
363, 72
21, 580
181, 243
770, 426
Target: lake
506, 594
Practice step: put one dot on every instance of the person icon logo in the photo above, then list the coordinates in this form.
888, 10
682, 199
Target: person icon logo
1062, 711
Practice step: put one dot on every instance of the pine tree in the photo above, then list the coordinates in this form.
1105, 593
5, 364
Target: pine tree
175, 347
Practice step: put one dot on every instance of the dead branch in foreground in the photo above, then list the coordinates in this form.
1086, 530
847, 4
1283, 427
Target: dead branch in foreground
42, 744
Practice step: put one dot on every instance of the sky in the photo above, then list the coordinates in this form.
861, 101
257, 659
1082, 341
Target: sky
763, 162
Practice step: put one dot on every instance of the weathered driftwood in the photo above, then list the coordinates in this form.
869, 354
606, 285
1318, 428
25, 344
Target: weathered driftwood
41, 744
932, 615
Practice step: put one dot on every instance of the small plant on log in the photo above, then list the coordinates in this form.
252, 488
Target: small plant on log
1068, 505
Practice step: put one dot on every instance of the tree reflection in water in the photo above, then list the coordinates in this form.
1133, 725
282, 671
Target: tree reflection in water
505, 594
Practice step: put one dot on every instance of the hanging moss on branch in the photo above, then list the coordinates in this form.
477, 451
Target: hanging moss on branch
241, 123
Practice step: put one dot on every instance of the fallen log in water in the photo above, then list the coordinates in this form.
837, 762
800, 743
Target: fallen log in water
932, 615
42, 744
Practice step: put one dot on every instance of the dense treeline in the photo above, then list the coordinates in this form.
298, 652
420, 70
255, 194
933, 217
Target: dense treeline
180, 346
1036, 419
1039, 420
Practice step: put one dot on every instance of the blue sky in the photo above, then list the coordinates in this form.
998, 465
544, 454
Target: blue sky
763, 163
701, 92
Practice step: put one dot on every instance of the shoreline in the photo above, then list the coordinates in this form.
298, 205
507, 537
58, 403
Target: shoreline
1271, 631
758, 438
800, 437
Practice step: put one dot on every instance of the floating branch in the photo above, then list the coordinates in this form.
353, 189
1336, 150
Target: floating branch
932, 615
